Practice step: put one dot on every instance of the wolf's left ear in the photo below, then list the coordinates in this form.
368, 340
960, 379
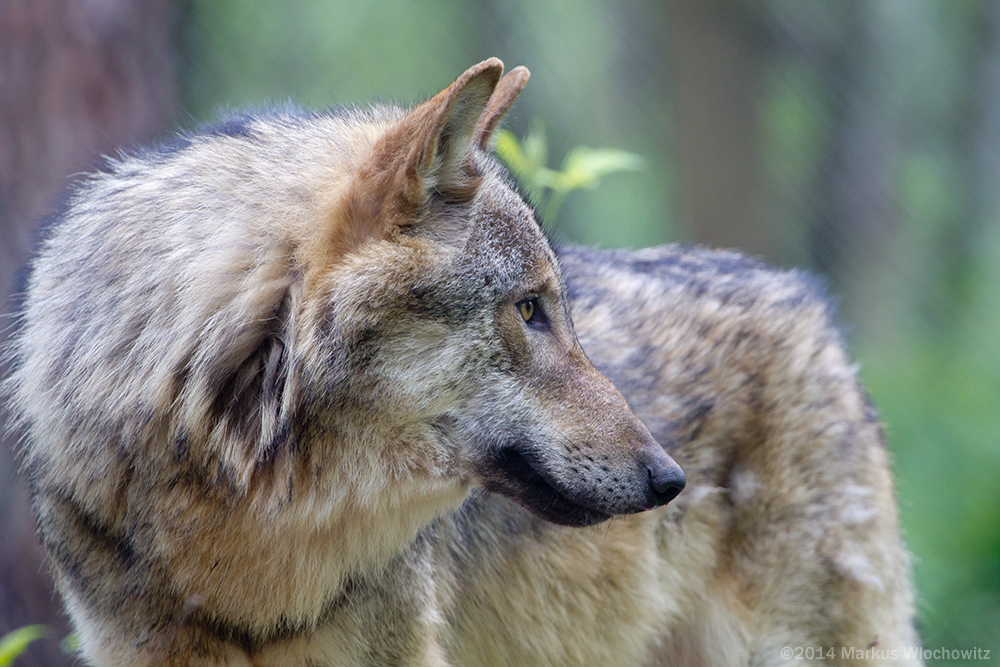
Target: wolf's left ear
447, 144
506, 92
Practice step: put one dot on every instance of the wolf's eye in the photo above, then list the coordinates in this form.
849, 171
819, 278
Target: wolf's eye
527, 309
532, 313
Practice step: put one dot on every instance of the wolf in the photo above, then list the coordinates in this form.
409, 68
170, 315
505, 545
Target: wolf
306, 389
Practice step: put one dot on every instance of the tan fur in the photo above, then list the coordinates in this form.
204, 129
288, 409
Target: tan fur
281, 406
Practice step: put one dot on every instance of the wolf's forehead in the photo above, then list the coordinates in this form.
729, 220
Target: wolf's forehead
510, 234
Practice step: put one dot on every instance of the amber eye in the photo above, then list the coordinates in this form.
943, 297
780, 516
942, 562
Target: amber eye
533, 314
527, 309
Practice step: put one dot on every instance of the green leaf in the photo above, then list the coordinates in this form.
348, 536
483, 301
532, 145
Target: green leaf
584, 167
15, 643
525, 158
536, 147
509, 149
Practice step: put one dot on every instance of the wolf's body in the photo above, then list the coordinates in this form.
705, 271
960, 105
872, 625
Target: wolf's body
260, 370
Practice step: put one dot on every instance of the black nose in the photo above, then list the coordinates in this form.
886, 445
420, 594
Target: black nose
666, 483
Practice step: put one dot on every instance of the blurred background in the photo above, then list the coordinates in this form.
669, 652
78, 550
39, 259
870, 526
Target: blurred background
859, 140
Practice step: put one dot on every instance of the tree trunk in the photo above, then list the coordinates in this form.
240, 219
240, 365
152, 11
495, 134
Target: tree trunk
716, 52
76, 79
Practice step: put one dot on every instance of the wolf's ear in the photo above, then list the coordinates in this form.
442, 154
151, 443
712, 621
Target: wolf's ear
427, 151
443, 129
506, 92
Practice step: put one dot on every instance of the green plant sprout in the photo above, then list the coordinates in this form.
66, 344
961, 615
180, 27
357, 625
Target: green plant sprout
582, 167
16, 642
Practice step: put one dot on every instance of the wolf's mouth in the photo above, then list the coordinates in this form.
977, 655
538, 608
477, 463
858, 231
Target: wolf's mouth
523, 483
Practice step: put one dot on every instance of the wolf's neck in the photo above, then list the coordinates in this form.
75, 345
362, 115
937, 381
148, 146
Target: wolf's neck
351, 514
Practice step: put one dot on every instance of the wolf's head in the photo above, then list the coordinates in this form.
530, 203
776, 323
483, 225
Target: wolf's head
435, 311
355, 309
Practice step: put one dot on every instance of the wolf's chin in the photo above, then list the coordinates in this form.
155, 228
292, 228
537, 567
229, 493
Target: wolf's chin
513, 476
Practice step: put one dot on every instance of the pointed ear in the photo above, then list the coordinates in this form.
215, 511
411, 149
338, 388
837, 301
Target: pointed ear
428, 150
433, 142
506, 92
454, 114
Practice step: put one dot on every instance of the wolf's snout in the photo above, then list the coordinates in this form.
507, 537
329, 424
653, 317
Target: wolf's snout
665, 483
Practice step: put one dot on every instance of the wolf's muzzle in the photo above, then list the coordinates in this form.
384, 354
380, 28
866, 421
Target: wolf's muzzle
523, 475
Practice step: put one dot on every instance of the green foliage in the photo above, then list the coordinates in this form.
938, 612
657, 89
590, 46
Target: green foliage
252, 52
15, 643
582, 167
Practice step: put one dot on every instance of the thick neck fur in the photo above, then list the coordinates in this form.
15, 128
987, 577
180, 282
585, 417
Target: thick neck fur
312, 529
